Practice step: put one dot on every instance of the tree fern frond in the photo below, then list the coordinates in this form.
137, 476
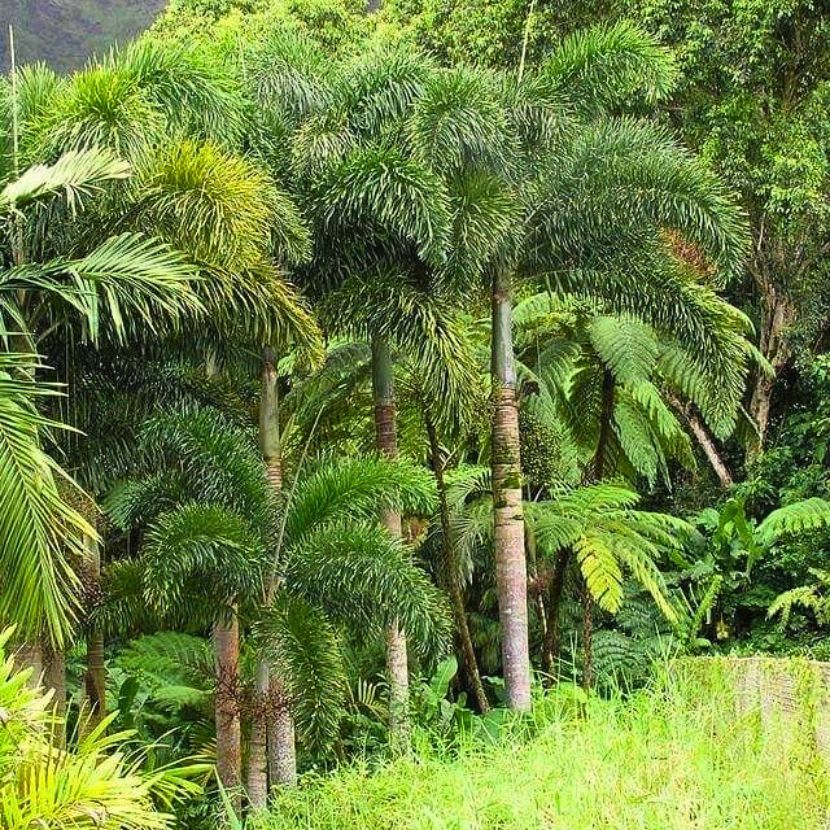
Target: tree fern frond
801, 516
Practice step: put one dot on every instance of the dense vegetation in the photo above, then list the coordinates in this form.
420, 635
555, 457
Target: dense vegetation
385, 393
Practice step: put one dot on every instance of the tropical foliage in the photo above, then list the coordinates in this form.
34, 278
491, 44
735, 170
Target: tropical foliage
369, 379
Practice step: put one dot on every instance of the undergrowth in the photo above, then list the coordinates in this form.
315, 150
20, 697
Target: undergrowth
675, 756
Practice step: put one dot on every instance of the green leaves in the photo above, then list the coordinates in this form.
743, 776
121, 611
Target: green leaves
355, 488
607, 66
195, 551
794, 519
609, 538
379, 189
39, 531
304, 648
457, 121
360, 575
95, 785
73, 177
219, 207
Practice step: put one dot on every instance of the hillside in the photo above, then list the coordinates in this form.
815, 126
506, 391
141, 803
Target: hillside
64, 33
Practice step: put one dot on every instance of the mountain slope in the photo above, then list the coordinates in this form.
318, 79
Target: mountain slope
64, 33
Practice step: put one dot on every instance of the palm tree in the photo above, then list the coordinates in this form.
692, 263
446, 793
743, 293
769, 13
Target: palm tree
433, 410
546, 181
100, 291
178, 117
215, 524
379, 216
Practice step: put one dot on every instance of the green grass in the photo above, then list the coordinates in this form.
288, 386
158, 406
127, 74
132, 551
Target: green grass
676, 757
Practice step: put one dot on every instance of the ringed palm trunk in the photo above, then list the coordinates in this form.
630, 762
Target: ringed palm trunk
228, 722
272, 732
452, 581
508, 531
227, 699
397, 667
282, 753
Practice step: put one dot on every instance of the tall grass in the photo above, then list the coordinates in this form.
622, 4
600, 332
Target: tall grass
673, 757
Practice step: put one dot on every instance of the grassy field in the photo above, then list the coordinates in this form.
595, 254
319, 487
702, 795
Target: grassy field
657, 761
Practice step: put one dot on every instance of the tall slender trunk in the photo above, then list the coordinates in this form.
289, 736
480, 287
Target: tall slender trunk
282, 757
552, 643
587, 639
533, 579
508, 535
777, 316
452, 580
95, 680
228, 723
257, 778
261, 714
397, 668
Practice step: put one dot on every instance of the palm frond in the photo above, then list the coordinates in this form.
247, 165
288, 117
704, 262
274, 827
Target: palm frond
39, 530
360, 575
304, 650
73, 177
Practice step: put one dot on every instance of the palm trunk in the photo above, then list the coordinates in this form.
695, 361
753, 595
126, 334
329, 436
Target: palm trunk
257, 779
228, 724
95, 682
258, 757
533, 579
449, 567
383, 387
282, 757
30, 656
508, 536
